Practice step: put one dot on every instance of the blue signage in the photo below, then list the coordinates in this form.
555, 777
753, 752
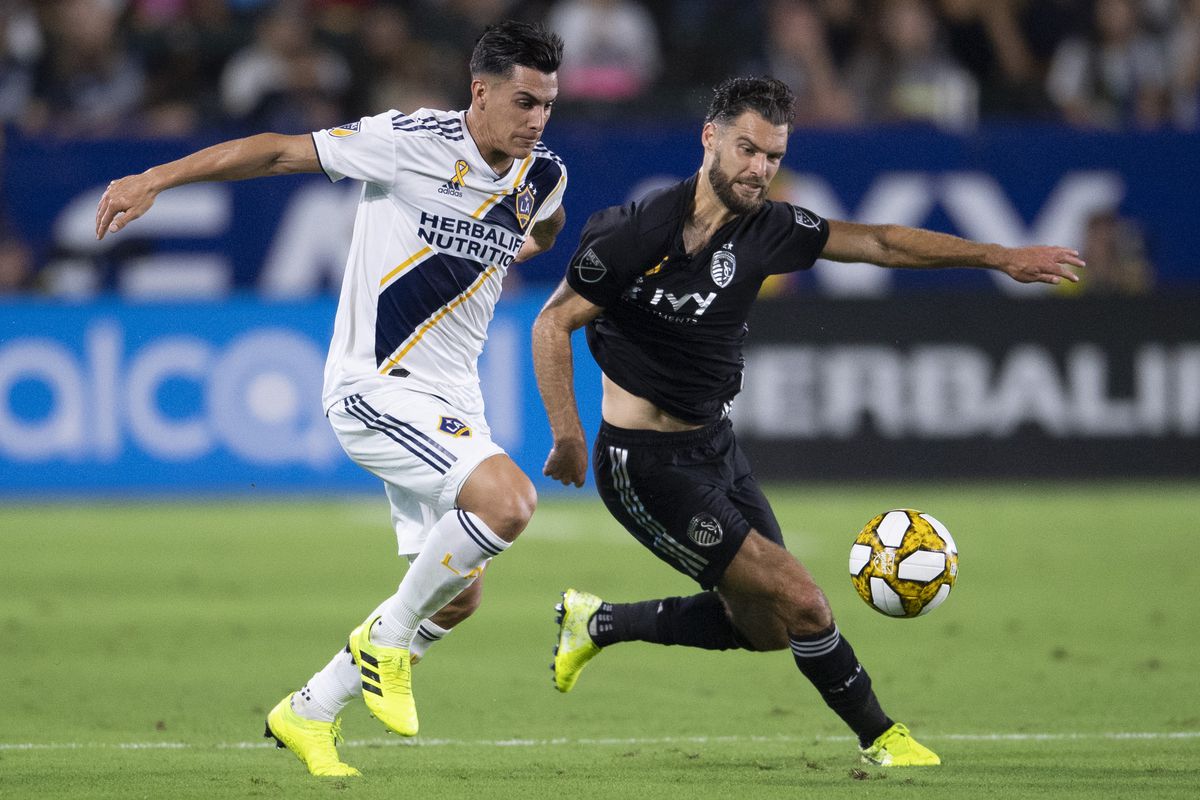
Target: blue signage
211, 397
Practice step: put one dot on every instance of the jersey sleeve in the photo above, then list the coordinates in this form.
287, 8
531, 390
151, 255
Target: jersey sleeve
363, 150
595, 272
802, 237
554, 201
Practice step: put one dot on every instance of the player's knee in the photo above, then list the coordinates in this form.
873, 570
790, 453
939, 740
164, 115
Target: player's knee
500, 494
805, 609
510, 512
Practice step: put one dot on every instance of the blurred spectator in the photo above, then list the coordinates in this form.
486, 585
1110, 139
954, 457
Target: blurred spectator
183, 44
797, 52
86, 83
396, 70
20, 45
612, 51
1184, 63
843, 28
1115, 75
906, 74
16, 264
984, 36
1115, 251
285, 80
704, 42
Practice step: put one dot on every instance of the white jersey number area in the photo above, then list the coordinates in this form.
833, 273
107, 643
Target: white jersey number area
435, 232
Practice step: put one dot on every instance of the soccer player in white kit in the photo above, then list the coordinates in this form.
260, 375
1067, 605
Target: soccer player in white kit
450, 200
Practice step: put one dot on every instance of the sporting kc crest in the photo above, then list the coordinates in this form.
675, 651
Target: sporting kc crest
724, 264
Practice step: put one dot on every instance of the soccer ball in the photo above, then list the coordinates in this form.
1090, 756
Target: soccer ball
903, 563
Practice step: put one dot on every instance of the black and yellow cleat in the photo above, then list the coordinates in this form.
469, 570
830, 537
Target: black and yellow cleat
575, 647
386, 680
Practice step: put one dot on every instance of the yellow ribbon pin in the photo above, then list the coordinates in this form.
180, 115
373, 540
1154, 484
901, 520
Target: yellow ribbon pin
461, 168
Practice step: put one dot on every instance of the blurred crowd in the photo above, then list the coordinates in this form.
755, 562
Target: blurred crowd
172, 67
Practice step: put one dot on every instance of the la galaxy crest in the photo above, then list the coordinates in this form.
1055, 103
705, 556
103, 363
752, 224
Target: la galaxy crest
523, 198
724, 264
455, 427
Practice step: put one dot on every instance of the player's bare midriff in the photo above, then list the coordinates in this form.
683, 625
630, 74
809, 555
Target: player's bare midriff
625, 410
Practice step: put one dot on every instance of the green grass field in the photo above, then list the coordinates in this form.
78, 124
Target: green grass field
141, 646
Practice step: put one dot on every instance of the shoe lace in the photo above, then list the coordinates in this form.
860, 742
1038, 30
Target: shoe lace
397, 678
335, 731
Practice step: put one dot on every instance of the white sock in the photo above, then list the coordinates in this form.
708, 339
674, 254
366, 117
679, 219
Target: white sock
427, 634
459, 545
328, 692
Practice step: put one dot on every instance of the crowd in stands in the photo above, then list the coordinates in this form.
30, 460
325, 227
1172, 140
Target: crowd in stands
171, 67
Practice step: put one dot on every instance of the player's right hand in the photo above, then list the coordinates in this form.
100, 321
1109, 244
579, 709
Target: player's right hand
567, 462
124, 201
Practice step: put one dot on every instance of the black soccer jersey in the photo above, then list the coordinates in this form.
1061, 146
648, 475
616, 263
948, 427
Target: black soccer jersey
673, 324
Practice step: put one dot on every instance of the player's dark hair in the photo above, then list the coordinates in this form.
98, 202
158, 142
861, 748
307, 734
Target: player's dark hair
513, 44
769, 98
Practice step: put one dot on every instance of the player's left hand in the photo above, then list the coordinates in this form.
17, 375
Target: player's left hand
124, 201
567, 462
1041, 264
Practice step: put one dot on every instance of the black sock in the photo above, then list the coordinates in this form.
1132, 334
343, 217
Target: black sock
828, 661
696, 621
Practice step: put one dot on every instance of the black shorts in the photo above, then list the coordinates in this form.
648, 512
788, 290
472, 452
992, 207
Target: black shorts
690, 497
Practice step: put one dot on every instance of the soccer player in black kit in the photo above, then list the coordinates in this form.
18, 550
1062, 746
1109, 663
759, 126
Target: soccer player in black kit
665, 286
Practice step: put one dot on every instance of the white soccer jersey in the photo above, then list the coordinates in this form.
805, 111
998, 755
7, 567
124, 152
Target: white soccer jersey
435, 233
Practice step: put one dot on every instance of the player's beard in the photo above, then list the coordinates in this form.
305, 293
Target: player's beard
722, 184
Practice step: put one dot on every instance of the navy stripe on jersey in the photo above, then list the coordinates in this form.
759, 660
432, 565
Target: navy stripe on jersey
450, 129
544, 174
402, 433
477, 536
541, 150
415, 296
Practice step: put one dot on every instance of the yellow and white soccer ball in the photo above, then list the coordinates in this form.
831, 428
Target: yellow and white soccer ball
904, 563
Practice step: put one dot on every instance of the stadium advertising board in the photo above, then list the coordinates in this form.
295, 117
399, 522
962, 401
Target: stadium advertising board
114, 397
287, 237
117, 398
949, 386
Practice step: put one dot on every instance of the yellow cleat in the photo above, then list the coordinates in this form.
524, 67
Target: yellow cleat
386, 680
895, 747
575, 646
311, 741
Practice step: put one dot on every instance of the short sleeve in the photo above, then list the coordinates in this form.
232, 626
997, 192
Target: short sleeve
554, 201
363, 150
593, 272
801, 237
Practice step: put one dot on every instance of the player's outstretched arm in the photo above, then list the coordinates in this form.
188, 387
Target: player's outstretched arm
542, 236
564, 313
130, 197
899, 246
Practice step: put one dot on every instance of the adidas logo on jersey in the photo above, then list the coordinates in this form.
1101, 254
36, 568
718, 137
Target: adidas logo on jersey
454, 185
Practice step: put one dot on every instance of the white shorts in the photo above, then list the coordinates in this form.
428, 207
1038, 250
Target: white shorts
422, 447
